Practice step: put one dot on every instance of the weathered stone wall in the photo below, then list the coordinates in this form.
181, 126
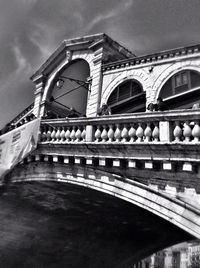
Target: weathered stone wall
151, 76
151, 71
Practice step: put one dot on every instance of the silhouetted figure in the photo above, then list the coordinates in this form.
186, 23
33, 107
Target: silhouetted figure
28, 118
151, 107
49, 115
195, 106
104, 110
32, 116
22, 122
72, 113
160, 105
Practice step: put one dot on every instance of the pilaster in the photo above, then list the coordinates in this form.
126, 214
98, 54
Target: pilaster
96, 74
39, 90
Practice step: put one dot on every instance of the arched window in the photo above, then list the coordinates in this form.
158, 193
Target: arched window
127, 97
182, 90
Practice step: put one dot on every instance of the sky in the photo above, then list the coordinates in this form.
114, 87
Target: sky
30, 31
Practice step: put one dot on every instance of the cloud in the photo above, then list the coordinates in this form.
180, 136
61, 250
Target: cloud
28, 2
40, 37
16, 91
30, 30
23, 64
108, 14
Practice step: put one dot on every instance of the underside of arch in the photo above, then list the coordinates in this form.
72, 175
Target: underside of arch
174, 211
69, 89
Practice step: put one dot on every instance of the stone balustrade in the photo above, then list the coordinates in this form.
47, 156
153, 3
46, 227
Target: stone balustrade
169, 126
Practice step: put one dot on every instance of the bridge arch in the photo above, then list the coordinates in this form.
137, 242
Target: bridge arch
172, 210
71, 93
82, 64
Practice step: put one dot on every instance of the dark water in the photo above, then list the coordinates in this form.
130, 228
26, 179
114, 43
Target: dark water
61, 225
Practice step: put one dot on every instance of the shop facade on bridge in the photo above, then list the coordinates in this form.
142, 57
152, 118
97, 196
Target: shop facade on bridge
84, 73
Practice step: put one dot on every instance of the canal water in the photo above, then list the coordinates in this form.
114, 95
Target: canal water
49, 224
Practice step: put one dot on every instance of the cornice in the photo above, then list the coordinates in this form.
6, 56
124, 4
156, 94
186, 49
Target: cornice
153, 58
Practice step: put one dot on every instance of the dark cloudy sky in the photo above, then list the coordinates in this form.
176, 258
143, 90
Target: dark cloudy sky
30, 30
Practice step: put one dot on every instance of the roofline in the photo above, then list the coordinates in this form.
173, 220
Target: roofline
25, 112
85, 40
73, 40
152, 58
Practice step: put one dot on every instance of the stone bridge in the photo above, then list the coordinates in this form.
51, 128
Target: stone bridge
151, 160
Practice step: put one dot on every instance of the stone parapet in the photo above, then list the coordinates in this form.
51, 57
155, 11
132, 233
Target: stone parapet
181, 126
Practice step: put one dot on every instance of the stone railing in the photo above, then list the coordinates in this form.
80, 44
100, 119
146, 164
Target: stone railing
169, 126
22, 114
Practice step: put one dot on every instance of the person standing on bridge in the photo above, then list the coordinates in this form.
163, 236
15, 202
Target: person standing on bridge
151, 107
72, 113
160, 105
104, 110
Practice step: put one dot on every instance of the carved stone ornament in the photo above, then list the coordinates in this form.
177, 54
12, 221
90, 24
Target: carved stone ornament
68, 55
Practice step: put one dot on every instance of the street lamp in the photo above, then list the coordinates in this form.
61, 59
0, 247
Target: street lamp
80, 83
61, 80
60, 83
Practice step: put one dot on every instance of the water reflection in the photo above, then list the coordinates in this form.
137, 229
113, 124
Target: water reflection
56, 225
183, 255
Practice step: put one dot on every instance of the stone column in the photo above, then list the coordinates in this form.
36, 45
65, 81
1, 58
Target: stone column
96, 87
39, 84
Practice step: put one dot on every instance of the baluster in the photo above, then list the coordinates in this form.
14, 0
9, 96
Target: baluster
98, 134
187, 132
177, 131
49, 133
196, 132
67, 135
124, 133
104, 134
139, 133
58, 134
83, 134
117, 134
155, 133
148, 133
44, 135
73, 134
78, 135
110, 133
132, 133
53, 135
62, 134
40, 134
